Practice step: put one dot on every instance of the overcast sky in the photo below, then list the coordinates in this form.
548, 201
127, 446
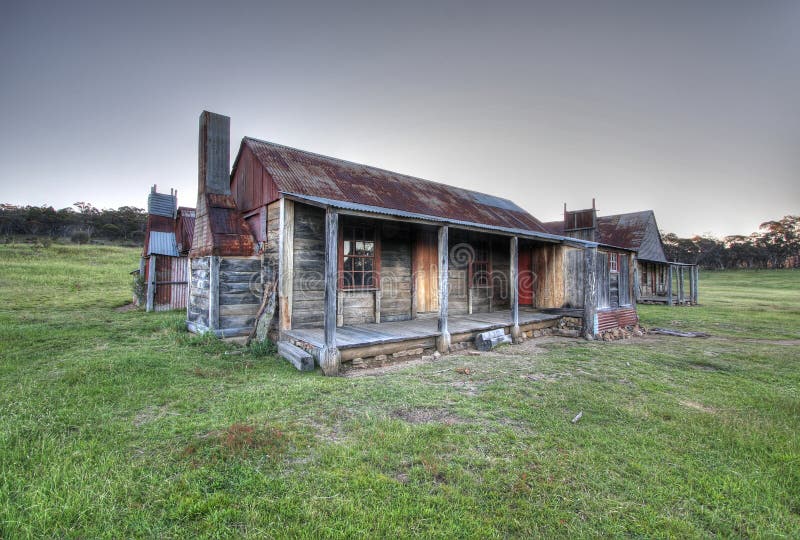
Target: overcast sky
691, 109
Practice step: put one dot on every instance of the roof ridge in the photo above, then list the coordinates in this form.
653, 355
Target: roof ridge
308, 152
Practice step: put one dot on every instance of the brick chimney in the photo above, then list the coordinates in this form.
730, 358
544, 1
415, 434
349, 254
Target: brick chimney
214, 154
219, 228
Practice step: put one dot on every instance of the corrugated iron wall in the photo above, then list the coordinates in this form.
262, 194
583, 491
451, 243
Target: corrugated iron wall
171, 283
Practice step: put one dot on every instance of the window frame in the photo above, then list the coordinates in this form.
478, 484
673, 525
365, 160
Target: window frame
375, 257
486, 245
613, 263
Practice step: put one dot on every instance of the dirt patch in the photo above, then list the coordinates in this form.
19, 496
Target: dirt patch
426, 416
384, 370
126, 308
237, 440
545, 377
698, 406
151, 414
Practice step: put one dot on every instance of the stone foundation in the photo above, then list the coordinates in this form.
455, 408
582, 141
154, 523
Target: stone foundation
622, 333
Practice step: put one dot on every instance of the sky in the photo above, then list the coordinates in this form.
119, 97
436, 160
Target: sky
688, 108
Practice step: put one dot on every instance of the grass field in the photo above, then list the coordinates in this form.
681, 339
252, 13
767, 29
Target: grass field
120, 424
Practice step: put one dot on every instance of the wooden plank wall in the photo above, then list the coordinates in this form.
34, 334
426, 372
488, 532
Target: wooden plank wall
239, 286
309, 267
574, 264
395, 272
603, 281
548, 289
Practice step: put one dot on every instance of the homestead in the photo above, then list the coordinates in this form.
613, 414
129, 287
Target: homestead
655, 279
367, 264
164, 261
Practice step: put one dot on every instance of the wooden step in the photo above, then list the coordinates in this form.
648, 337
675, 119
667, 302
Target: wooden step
298, 357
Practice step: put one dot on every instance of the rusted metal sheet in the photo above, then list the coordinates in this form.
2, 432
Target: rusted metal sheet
223, 230
616, 318
171, 283
304, 173
184, 229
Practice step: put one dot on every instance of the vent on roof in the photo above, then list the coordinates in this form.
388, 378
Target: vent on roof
161, 204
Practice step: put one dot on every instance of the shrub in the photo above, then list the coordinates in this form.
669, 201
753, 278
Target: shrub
139, 289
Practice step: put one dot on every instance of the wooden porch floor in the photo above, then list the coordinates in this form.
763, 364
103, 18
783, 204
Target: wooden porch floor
361, 335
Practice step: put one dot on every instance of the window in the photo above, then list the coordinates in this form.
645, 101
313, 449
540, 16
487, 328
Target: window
613, 262
358, 267
480, 271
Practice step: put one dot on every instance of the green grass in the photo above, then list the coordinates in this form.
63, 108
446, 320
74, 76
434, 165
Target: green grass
120, 424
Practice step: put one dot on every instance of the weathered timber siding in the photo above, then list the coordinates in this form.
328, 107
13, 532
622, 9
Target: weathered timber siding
357, 307
308, 279
548, 264
395, 272
603, 287
270, 251
574, 265
239, 292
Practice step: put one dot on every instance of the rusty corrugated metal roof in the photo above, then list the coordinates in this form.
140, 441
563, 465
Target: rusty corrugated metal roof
185, 228
636, 231
305, 173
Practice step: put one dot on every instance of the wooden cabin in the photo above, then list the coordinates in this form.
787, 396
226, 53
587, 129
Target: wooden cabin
164, 260
368, 264
655, 280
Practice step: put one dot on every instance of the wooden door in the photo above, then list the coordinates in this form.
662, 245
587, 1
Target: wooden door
426, 271
525, 277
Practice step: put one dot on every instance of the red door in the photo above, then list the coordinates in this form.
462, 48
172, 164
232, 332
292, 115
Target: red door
525, 278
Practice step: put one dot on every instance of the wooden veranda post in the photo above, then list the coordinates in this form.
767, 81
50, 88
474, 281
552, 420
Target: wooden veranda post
285, 264
329, 357
669, 285
681, 296
696, 280
589, 291
637, 285
514, 288
151, 282
443, 341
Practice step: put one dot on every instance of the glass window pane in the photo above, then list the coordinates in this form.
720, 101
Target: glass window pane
369, 248
368, 279
347, 247
367, 265
358, 279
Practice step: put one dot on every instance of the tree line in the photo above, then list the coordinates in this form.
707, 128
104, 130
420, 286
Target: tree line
82, 222
775, 245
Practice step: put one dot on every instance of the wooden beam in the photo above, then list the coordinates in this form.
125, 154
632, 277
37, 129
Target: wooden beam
329, 357
443, 341
637, 286
285, 264
513, 284
213, 292
589, 292
696, 281
151, 282
681, 297
669, 285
